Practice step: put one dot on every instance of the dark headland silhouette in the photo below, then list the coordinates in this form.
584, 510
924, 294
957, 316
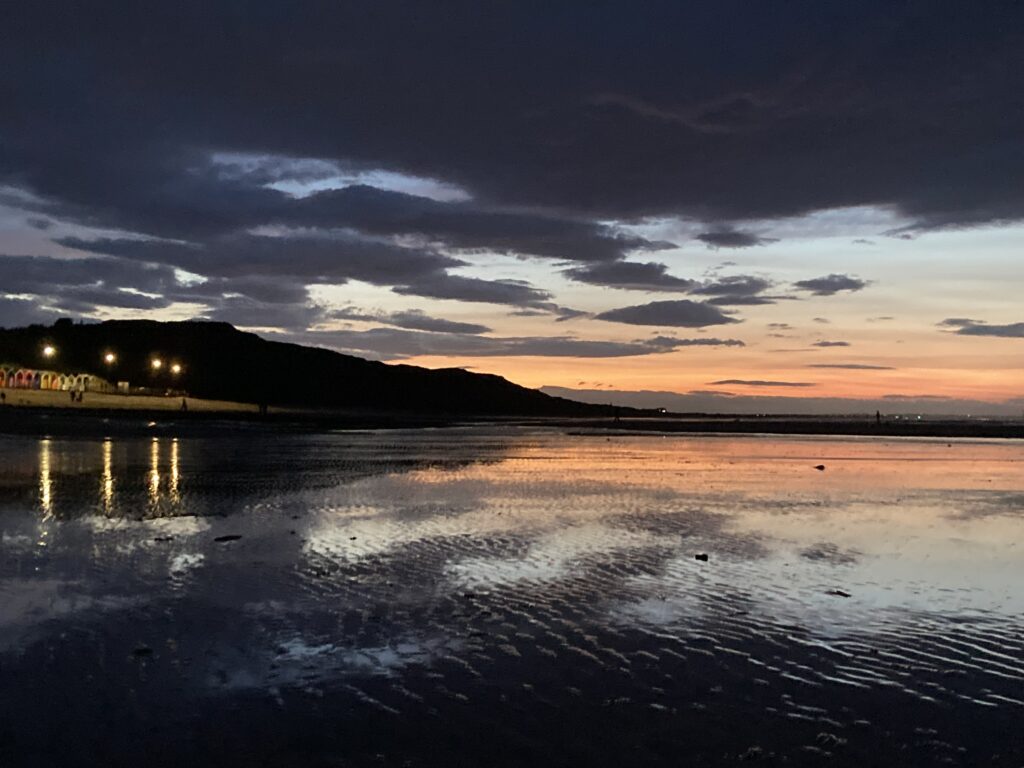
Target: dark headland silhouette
220, 362
326, 388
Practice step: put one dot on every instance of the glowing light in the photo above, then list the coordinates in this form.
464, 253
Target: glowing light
154, 470
173, 483
45, 481
176, 368
156, 363
49, 350
108, 475
110, 358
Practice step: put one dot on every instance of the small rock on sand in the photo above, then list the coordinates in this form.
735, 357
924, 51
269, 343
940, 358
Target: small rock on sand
837, 593
702, 556
820, 467
229, 537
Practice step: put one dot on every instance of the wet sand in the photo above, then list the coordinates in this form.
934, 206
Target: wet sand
499, 596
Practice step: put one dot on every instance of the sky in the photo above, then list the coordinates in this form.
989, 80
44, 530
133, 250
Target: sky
814, 200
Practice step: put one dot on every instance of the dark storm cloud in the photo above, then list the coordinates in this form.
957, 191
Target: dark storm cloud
324, 259
44, 274
966, 327
630, 275
719, 111
251, 313
413, 319
671, 342
731, 238
16, 312
760, 383
464, 225
826, 344
297, 261
852, 366
742, 301
82, 287
459, 288
734, 285
394, 343
737, 290
79, 286
682, 313
268, 290
830, 285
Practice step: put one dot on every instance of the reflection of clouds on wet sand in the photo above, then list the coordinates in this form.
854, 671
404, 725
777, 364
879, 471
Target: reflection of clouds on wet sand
411, 572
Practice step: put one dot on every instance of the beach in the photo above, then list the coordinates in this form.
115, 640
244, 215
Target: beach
497, 595
110, 401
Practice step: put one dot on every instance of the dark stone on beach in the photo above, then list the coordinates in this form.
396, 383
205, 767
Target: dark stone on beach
141, 651
229, 537
828, 740
837, 593
163, 538
753, 753
820, 467
701, 556
351, 538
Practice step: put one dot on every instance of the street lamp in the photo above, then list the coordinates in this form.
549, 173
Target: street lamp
110, 358
156, 363
176, 368
49, 351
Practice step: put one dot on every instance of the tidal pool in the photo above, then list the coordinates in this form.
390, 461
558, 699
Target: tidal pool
494, 596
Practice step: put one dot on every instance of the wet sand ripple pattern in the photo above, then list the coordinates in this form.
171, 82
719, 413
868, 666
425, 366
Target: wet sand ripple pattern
471, 597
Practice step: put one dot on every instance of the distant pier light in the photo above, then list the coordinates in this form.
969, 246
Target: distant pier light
49, 351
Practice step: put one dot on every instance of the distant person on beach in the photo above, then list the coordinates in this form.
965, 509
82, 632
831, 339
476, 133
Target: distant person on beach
72, 393
3, 398
184, 404
878, 417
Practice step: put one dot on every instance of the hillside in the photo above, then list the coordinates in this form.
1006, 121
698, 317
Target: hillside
222, 363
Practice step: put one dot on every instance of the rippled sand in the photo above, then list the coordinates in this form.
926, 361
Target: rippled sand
499, 597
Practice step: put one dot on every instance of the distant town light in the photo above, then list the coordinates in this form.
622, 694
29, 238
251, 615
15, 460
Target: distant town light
49, 350
176, 368
156, 363
109, 358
